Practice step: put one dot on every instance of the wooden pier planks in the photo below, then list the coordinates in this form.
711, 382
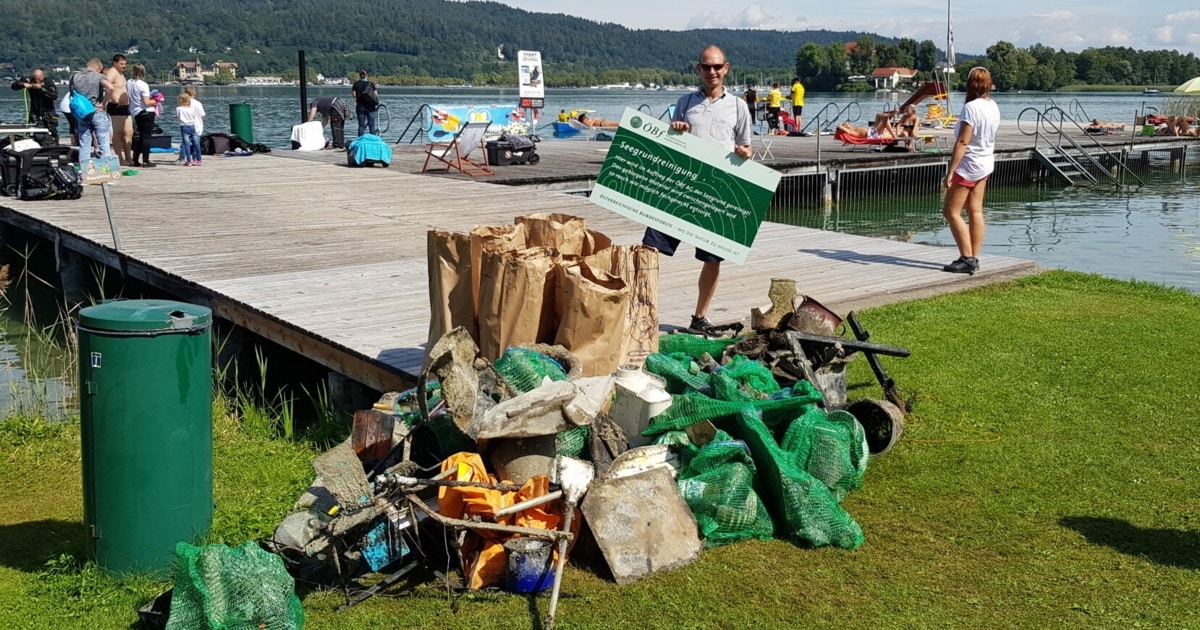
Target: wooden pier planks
329, 261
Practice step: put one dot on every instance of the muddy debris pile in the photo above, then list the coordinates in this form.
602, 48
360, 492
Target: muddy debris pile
491, 474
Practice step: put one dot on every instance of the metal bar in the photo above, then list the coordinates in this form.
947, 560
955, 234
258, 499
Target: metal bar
525, 505
851, 344
881, 375
494, 527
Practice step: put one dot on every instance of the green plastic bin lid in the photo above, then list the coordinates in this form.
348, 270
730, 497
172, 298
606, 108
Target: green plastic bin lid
121, 315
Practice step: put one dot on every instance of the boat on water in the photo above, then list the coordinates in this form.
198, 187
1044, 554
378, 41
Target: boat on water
1150, 91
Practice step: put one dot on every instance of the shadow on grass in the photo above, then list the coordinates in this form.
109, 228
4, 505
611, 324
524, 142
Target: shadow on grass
1168, 547
27, 546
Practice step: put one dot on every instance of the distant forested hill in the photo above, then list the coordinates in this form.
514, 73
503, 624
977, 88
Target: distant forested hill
399, 38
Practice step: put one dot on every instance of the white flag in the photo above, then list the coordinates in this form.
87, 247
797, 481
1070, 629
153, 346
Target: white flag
949, 43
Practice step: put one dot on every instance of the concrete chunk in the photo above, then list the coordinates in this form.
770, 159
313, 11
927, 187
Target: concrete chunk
641, 524
532, 414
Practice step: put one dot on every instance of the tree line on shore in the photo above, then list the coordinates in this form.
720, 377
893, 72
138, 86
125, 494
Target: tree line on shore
1036, 68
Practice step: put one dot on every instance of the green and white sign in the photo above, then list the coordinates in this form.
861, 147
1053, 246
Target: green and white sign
684, 186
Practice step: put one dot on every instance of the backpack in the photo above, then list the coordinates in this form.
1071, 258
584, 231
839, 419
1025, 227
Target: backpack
215, 143
46, 173
369, 97
81, 106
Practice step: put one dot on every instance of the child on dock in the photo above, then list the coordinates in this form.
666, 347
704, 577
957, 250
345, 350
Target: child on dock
189, 146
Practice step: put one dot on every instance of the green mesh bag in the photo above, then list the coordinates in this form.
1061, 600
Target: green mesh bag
718, 485
218, 588
832, 448
690, 409
752, 377
524, 369
572, 442
693, 345
804, 507
407, 409
681, 374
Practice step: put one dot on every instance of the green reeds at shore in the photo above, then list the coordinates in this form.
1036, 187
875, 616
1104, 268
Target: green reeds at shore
1046, 478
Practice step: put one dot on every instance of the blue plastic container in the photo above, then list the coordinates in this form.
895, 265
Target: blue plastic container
530, 567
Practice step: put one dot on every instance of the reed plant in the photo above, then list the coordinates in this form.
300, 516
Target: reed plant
1183, 105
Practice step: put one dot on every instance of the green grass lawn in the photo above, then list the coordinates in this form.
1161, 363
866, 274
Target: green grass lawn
1048, 477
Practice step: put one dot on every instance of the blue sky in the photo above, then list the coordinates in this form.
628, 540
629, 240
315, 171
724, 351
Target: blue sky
1158, 24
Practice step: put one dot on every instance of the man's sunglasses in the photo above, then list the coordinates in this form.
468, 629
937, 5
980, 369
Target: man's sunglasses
711, 67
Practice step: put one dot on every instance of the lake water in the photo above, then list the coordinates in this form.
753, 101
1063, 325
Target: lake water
1150, 234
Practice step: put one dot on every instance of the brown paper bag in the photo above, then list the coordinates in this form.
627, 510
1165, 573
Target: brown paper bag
449, 269
515, 287
561, 232
596, 305
497, 238
637, 265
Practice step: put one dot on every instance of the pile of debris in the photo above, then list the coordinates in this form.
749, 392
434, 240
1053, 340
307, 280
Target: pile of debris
474, 476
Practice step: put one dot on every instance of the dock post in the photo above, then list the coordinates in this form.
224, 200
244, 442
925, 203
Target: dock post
349, 395
71, 273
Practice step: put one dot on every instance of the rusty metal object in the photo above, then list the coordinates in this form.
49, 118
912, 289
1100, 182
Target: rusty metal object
889, 386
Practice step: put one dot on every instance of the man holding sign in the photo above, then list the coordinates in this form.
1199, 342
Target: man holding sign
716, 115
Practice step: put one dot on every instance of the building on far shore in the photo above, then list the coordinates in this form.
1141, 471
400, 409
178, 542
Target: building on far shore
195, 72
893, 77
263, 81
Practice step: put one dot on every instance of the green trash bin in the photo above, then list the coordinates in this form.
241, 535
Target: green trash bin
145, 379
241, 123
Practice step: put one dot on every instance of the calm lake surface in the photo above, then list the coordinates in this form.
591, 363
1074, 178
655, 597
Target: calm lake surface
1151, 234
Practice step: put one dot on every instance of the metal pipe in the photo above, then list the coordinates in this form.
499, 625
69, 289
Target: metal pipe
525, 505
495, 527
303, 88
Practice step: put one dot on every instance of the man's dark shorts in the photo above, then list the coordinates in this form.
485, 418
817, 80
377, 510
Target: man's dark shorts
666, 245
796, 109
117, 110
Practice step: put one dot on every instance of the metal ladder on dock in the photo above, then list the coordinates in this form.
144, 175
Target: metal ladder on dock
1061, 163
1064, 157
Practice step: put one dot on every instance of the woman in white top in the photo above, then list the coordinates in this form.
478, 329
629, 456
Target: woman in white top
971, 163
141, 107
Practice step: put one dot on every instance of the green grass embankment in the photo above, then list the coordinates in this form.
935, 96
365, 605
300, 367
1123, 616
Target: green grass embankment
1046, 478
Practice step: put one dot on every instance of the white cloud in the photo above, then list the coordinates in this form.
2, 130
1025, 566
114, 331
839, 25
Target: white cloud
753, 16
1183, 16
1163, 34
1058, 16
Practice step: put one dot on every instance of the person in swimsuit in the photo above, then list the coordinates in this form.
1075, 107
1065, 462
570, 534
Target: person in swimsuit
881, 128
118, 110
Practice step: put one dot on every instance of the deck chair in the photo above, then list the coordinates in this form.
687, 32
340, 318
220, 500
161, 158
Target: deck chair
865, 142
456, 154
760, 142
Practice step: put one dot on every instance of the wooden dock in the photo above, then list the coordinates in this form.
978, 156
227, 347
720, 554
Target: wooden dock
329, 261
573, 165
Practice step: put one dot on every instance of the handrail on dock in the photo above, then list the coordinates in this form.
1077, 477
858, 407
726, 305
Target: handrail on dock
421, 128
1049, 127
830, 120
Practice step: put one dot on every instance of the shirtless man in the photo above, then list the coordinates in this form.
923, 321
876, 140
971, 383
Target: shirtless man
118, 111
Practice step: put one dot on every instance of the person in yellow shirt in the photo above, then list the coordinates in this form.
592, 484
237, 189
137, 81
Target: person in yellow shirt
562, 116
774, 100
797, 98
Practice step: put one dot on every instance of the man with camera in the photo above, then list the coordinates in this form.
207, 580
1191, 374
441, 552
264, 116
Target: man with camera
41, 101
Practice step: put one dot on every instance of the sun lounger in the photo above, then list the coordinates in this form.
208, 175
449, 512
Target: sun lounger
863, 142
589, 132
